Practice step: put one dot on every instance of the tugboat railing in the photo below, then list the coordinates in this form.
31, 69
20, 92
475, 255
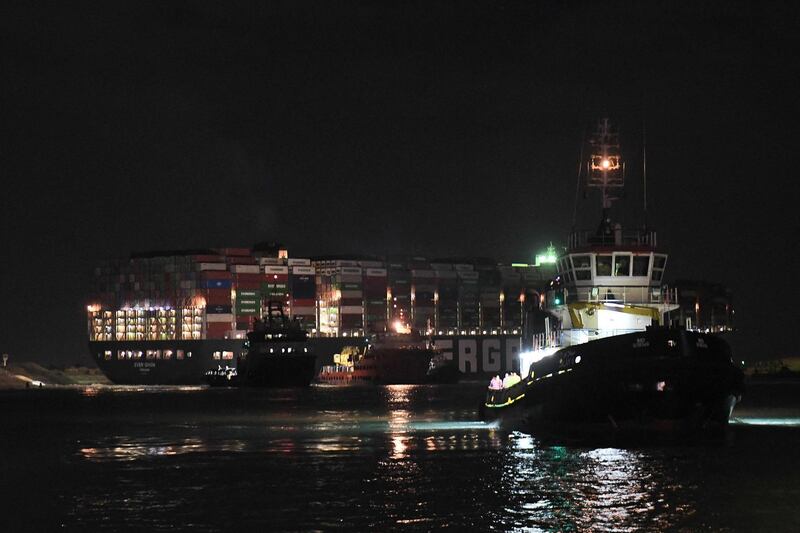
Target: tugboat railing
622, 295
616, 237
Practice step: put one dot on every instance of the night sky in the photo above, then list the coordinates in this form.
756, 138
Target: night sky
432, 128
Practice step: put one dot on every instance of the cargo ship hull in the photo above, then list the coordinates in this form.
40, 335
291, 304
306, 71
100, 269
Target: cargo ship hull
196, 357
474, 357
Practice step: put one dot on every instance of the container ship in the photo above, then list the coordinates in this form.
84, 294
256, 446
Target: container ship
168, 317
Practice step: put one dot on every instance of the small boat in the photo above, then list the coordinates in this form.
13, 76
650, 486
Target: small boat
390, 360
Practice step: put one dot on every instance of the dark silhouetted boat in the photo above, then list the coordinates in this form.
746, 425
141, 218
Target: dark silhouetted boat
277, 355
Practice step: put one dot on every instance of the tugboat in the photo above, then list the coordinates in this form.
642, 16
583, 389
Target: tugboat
656, 382
614, 364
400, 359
277, 355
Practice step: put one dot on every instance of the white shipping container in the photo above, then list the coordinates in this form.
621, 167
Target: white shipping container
270, 261
303, 270
345, 263
423, 274
245, 269
371, 264
446, 274
463, 268
295, 261
351, 309
211, 266
352, 294
468, 275
276, 269
351, 271
223, 317
376, 272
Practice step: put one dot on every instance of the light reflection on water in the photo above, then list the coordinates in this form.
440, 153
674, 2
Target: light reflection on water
365, 459
582, 489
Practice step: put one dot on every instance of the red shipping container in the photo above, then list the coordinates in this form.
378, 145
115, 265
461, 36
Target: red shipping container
249, 277
241, 260
303, 302
351, 301
215, 274
217, 296
247, 285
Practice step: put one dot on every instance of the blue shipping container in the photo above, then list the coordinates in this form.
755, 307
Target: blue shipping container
216, 284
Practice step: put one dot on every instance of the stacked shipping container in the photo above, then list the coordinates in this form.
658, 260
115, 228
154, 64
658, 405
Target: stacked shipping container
220, 294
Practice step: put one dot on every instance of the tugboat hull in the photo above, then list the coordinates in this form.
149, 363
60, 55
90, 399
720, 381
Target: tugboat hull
649, 383
278, 371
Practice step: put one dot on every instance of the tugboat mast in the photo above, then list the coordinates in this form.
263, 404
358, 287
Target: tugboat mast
606, 169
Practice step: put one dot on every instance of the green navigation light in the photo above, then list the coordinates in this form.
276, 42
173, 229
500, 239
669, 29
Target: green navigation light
548, 257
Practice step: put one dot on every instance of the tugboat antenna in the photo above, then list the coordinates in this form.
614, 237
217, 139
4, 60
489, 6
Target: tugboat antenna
644, 169
578, 182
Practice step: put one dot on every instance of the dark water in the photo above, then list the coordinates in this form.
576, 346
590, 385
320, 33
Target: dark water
392, 458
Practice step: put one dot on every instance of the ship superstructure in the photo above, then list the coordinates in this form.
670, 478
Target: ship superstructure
610, 280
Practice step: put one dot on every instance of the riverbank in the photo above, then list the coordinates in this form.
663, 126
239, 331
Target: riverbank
27, 374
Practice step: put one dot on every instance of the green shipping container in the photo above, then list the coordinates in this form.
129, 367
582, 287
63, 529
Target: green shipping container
248, 295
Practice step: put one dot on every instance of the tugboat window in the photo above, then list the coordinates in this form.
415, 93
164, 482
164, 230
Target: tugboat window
603, 265
641, 264
583, 267
622, 265
581, 261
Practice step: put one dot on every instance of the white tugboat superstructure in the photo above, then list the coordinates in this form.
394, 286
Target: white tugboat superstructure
610, 281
